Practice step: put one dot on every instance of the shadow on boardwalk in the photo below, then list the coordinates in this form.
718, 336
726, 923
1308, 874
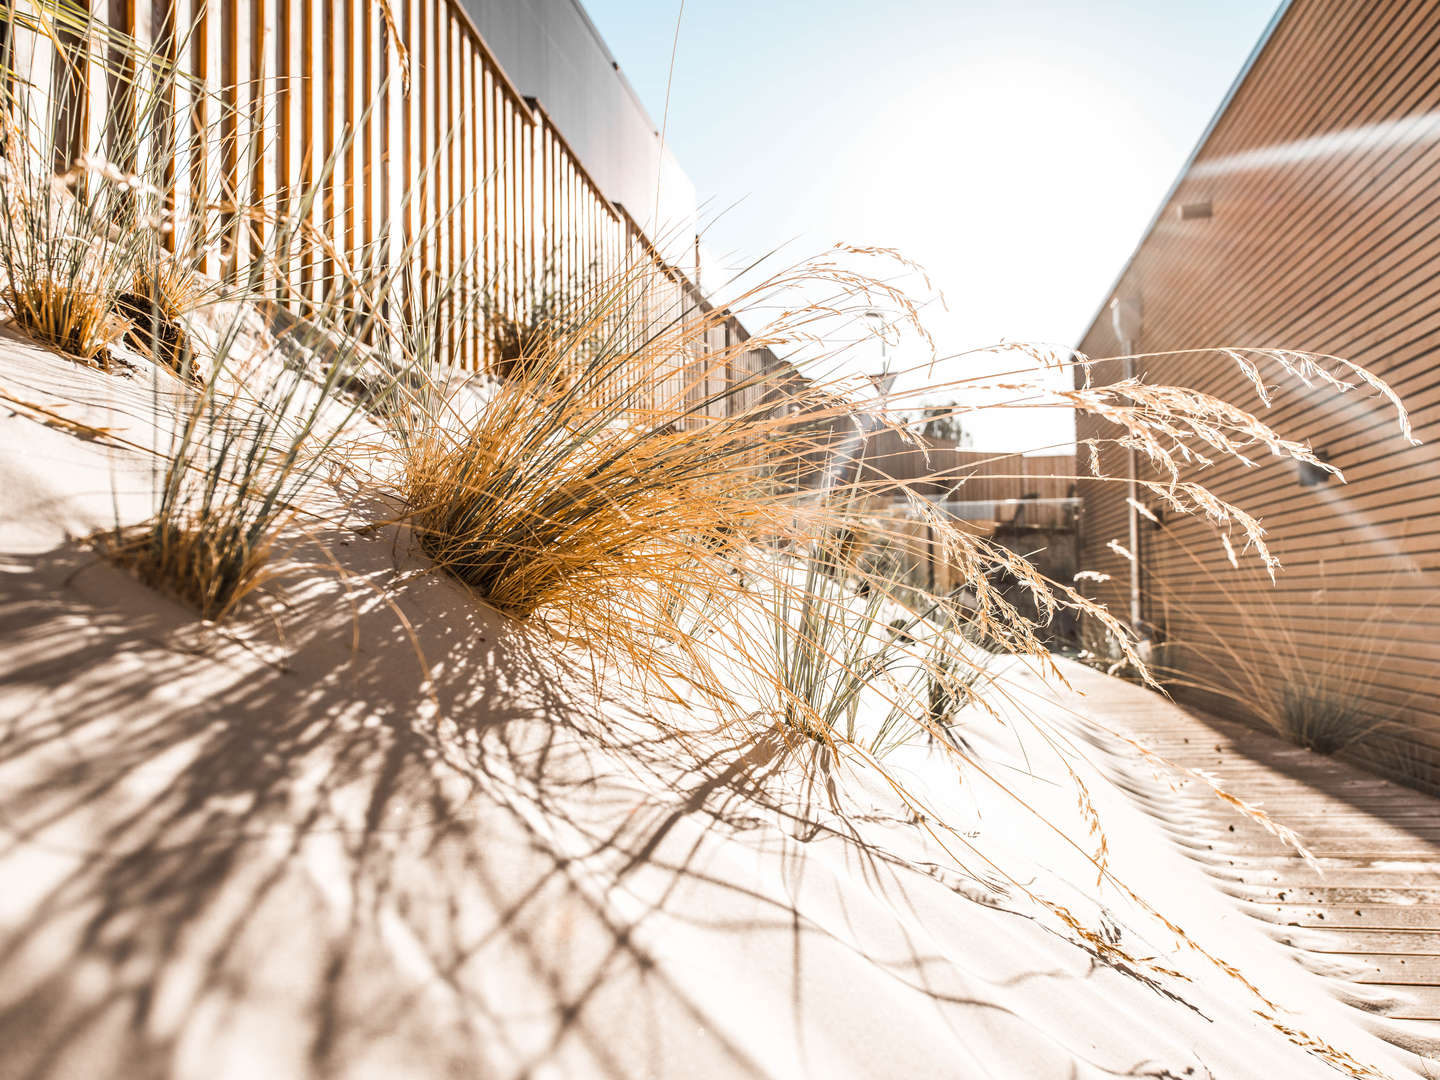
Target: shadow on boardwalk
1368, 919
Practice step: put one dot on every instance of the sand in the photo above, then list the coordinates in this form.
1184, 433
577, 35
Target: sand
281, 849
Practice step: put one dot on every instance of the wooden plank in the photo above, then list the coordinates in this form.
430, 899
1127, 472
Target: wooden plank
460, 82
309, 72
233, 131
285, 128
424, 97
265, 163
452, 194
444, 131
478, 187
351, 192
490, 175
373, 101
209, 124
413, 156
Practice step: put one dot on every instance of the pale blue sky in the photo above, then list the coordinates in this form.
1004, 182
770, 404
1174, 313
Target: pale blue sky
1017, 150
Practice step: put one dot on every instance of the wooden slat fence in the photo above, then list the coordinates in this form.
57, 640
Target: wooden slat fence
394, 115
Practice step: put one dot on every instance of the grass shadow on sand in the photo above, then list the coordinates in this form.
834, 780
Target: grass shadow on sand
275, 856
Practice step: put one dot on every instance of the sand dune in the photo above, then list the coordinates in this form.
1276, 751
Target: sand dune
241, 853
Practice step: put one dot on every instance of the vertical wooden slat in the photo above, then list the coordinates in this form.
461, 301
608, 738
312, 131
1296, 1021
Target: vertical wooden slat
121, 98
475, 79
329, 163
592, 225
526, 156
520, 180
410, 162
351, 191
265, 61
284, 126
487, 142
465, 83
503, 262
182, 99
395, 144
205, 128
506, 192
381, 90
308, 143
438, 130
245, 164
453, 136
326, 161
556, 252
567, 229
296, 141
592, 233
370, 109
547, 197
504, 189
458, 53
487, 196
425, 105
517, 201
228, 187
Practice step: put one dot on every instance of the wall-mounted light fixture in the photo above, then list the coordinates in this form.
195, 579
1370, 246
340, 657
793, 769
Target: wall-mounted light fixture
1190, 211
1311, 475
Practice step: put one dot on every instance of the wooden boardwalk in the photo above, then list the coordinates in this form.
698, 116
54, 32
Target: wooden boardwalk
1371, 919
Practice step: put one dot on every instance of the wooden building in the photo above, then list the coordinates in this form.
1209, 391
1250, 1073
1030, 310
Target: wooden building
1307, 218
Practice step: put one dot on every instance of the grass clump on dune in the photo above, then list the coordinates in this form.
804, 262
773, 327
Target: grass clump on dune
84, 267
233, 478
617, 463
821, 649
79, 248
1310, 676
554, 498
164, 293
65, 259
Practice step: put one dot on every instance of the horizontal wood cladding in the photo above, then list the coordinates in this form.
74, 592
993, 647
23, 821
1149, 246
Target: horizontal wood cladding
1322, 178
399, 120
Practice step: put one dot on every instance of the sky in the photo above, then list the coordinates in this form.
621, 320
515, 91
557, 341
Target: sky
1016, 150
